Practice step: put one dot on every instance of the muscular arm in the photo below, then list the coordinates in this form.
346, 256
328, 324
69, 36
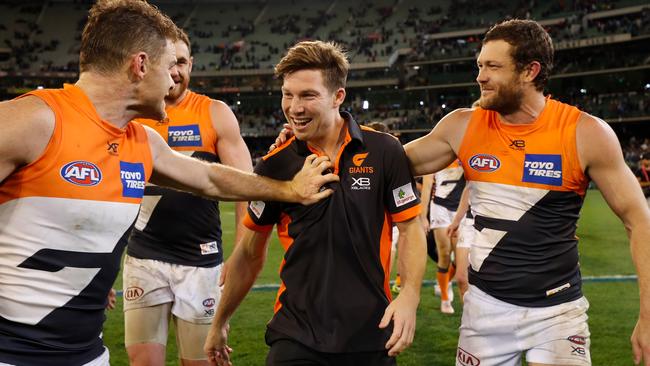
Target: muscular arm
439, 148
601, 156
232, 150
27, 125
411, 264
218, 181
245, 264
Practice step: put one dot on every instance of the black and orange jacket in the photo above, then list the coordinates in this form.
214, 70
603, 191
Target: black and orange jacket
526, 191
335, 270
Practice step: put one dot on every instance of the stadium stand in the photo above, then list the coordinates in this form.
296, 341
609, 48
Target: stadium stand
412, 61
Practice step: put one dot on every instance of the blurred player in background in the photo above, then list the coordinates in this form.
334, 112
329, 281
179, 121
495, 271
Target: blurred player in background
175, 254
461, 230
447, 187
643, 175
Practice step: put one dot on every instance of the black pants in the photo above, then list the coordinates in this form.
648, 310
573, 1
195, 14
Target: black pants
286, 352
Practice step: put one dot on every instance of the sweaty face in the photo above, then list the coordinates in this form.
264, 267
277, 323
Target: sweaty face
182, 77
501, 86
308, 105
157, 83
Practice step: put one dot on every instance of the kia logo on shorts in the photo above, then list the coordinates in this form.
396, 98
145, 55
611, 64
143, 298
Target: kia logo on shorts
484, 163
467, 359
578, 340
208, 303
81, 173
133, 293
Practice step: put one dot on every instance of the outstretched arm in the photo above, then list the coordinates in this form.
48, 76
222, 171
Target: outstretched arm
221, 182
439, 148
245, 263
602, 158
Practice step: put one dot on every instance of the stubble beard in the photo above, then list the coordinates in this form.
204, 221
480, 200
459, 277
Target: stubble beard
506, 101
176, 92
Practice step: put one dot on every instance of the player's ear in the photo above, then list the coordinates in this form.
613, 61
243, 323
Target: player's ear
339, 97
532, 70
138, 65
191, 61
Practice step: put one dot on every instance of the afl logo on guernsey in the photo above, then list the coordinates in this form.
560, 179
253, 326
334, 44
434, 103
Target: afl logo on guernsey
484, 163
81, 173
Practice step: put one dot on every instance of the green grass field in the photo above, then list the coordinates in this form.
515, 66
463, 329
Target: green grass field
604, 251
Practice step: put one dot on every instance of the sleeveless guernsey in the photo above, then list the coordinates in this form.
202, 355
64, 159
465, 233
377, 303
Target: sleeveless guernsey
526, 192
63, 221
173, 226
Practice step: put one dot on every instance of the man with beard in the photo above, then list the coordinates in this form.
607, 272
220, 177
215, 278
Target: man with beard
174, 257
73, 169
528, 160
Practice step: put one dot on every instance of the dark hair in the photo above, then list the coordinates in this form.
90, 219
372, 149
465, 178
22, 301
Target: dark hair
117, 29
328, 57
530, 42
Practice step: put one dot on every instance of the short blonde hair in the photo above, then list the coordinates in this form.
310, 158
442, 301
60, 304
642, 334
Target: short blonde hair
328, 57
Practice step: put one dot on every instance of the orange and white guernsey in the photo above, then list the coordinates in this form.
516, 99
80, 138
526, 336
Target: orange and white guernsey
179, 227
526, 192
63, 220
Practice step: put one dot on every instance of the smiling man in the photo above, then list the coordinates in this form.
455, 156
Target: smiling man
528, 160
334, 305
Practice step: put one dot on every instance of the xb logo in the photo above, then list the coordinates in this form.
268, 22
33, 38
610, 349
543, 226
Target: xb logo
360, 183
112, 147
359, 158
517, 144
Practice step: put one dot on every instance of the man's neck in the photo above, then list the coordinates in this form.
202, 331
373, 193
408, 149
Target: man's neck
110, 95
531, 107
333, 138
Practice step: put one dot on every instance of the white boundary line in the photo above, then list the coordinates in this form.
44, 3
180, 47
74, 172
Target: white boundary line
429, 283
